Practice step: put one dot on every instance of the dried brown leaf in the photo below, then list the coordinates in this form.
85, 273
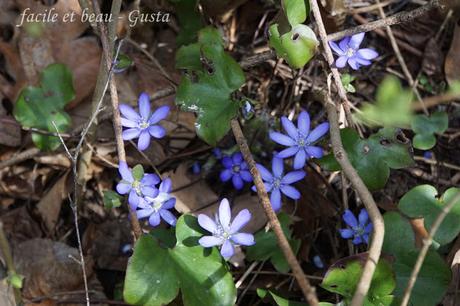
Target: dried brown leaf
452, 61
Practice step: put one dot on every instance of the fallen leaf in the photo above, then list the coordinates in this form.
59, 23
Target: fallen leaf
49, 206
10, 131
20, 226
49, 267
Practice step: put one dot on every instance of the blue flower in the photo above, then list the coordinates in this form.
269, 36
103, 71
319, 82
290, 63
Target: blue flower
159, 206
277, 183
300, 140
196, 168
224, 232
137, 189
359, 231
349, 52
235, 169
143, 125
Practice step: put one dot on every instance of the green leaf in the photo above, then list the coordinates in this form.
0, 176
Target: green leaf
155, 275
343, 277
425, 127
295, 10
111, 199
266, 246
38, 107
280, 301
434, 276
16, 280
392, 107
373, 157
123, 62
346, 81
297, 46
423, 201
190, 21
138, 172
213, 77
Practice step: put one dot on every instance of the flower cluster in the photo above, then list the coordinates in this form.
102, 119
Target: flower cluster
224, 231
349, 52
143, 125
144, 197
359, 229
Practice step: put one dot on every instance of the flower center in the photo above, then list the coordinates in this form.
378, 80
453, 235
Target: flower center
236, 168
302, 141
221, 233
158, 202
144, 124
359, 231
350, 52
137, 187
276, 182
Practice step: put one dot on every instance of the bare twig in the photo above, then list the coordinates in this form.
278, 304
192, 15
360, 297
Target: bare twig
367, 199
436, 100
116, 5
401, 61
401, 17
330, 60
27, 154
426, 246
304, 284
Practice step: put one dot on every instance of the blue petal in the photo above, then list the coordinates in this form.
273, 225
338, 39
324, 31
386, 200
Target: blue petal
318, 132
209, 241
123, 188
133, 199
160, 114
290, 192
367, 53
207, 223
350, 219
129, 134
361, 61
169, 203
346, 233
154, 219
144, 105
275, 199
129, 113
313, 151
344, 43
288, 152
225, 214
157, 131
292, 177
264, 173
357, 240
243, 239
368, 229
241, 219
363, 217
299, 159
246, 176
125, 172
129, 123
341, 61
282, 139
277, 166
303, 122
166, 185
289, 127
149, 191
144, 213
168, 217
225, 175
237, 182
336, 48
237, 158
353, 64
150, 179
356, 40
227, 250
144, 141
227, 162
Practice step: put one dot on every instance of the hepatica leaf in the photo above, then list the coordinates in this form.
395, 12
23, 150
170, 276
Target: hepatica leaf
296, 11
344, 276
434, 276
280, 301
38, 107
266, 246
425, 127
190, 20
212, 77
155, 274
424, 202
392, 107
373, 157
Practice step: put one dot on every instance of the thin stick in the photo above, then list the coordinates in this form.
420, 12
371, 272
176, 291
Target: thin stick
330, 60
116, 5
28, 154
401, 17
402, 62
307, 290
426, 246
366, 197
